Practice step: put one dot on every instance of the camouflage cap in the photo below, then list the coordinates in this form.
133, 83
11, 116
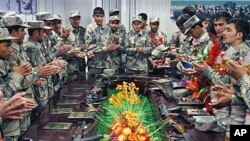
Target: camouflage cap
192, 21
12, 19
113, 11
107, 73
2, 13
158, 52
41, 16
5, 35
54, 17
137, 18
114, 18
74, 14
37, 24
154, 19
208, 123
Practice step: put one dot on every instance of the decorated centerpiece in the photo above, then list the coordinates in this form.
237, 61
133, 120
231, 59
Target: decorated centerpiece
129, 116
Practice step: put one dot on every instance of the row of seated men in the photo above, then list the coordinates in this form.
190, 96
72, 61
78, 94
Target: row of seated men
50, 58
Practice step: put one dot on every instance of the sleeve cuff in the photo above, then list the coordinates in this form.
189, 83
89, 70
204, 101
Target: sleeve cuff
243, 80
207, 72
17, 78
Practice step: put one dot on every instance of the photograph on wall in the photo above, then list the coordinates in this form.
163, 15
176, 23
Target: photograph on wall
20, 6
207, 8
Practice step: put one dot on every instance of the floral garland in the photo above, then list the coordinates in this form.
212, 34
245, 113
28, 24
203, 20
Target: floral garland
213, 53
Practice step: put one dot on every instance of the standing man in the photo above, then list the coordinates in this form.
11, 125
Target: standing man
117, 36
144, 18
76, 65
10, 81
34, 49
16, 28
97, 36
157, 37
138, 48
116, 12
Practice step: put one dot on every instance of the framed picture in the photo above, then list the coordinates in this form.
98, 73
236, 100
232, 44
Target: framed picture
27, 6
20, 6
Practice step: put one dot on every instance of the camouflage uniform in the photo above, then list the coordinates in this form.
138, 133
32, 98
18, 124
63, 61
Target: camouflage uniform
115, 57
97, 39
33, 50
244, 85
10, 83
51, 42
20, 57
235, 53
76, 38
158, 38
137, 62
239, 102
199, 45
185, 45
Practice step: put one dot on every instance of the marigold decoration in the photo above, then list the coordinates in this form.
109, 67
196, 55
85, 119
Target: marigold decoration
127, 127
193, 85
127, 92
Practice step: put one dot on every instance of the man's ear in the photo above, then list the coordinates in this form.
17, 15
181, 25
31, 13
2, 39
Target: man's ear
13, 33
239, 35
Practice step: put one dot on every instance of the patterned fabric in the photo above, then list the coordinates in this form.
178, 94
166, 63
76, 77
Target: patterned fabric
114, 57
97, 39
137, 61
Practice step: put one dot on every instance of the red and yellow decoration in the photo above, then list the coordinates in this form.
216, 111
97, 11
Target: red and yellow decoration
127, 92
127, 127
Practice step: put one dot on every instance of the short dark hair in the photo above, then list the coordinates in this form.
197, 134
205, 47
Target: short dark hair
189, 10
98, 10
211, 29
11, 28
144, 16
32, 30
241, 26
182, 19
223, 15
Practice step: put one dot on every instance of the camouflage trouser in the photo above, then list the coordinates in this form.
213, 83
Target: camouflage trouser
139, 72
12, 138
93, 72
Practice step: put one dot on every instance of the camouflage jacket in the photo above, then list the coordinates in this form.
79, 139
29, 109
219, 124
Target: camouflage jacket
97, 39
244, 85
52, 41
10, 82
185, 45
20, 57
137, 61
158, 38
199, 45
233, 53
114, 57
76, 36
36, 58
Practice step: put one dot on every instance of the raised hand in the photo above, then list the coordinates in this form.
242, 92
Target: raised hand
48, 70
16, 106
224, 94
23, 69
236, 69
